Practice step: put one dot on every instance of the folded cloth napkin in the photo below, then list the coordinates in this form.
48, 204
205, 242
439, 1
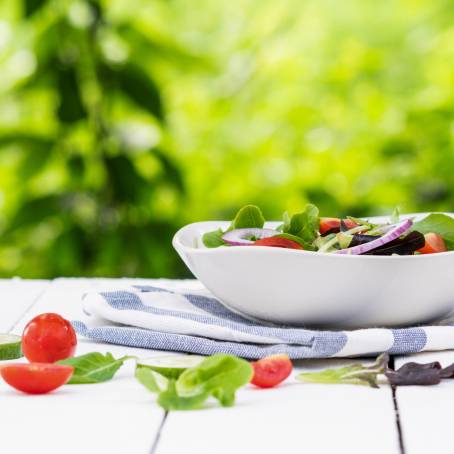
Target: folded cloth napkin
170, 318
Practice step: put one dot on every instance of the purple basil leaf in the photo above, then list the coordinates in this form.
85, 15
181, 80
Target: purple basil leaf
415, 374
447, 372
402, 246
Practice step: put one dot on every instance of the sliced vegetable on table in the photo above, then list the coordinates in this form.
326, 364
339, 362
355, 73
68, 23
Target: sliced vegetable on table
271, 370
10, 347
35, 378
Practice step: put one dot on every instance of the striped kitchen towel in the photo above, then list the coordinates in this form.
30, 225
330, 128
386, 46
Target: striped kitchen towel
170, 318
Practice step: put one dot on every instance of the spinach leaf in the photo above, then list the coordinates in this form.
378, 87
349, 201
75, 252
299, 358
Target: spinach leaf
304, 225
213, 239
437, 223
219, 375
93, 367
250, 216
306, 246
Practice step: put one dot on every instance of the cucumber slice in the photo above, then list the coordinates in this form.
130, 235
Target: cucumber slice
10, 347
170, 366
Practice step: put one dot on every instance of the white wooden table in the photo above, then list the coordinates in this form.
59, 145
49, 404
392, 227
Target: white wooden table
121, 416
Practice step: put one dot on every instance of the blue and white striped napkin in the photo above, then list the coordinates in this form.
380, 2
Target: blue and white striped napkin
193, 321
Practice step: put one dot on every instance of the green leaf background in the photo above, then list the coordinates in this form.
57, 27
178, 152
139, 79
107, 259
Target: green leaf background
121, 121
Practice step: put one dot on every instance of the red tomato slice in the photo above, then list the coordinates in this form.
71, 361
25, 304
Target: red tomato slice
274, 241
36, 378
48, 338
434, 243
271, 371
327, 224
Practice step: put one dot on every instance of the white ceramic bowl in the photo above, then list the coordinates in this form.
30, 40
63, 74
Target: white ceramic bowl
319, 289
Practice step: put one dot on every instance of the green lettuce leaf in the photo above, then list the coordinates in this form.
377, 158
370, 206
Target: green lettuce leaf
304, 225
213, 239
437, 223
250, 216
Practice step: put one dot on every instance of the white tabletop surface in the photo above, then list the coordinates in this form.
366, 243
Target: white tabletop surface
122, 417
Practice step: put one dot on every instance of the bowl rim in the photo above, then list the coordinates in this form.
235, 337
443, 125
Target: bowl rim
179, 245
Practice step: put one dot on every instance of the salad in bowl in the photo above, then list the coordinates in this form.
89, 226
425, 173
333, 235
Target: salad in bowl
307, 231
307, 270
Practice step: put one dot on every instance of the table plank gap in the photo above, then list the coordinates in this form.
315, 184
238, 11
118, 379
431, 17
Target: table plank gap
33, 300
400, 434
115, 417
16, 295
158, 433
425, 411
293, 416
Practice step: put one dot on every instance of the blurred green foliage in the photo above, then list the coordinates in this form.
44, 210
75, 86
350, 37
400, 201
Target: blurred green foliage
122, 120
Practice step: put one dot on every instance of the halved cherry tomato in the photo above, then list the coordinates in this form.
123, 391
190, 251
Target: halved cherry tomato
36, 378
328, 224
274, 241
271, 371
434, 243
48, 338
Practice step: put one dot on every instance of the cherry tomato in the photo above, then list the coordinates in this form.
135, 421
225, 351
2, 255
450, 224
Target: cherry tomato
36, 378
271, 371
434, 243
274, 241
328, 224
48, 338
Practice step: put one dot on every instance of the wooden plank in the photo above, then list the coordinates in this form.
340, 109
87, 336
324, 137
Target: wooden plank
16, 297
115, 417
426, 411
294, 417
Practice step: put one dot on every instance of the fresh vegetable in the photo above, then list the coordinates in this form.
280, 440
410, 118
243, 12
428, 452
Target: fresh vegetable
398, 230
48, 338
217, 376
93, 367
170, 366
334, 225
438, 223
278, 241
10, 347
270, 371
351, 235
354, 374
415, 374
35, 378
410, 374
433, 243
246, 236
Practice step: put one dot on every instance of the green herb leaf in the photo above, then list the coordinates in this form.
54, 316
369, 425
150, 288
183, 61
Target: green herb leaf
306, 246
93, 367
153, 381
395, 216
213, 239
437, 223
305, 224
354, 374
171, 400
219, 375
250, 216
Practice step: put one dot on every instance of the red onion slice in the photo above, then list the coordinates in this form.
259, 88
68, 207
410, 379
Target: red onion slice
398, 230
239, 237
